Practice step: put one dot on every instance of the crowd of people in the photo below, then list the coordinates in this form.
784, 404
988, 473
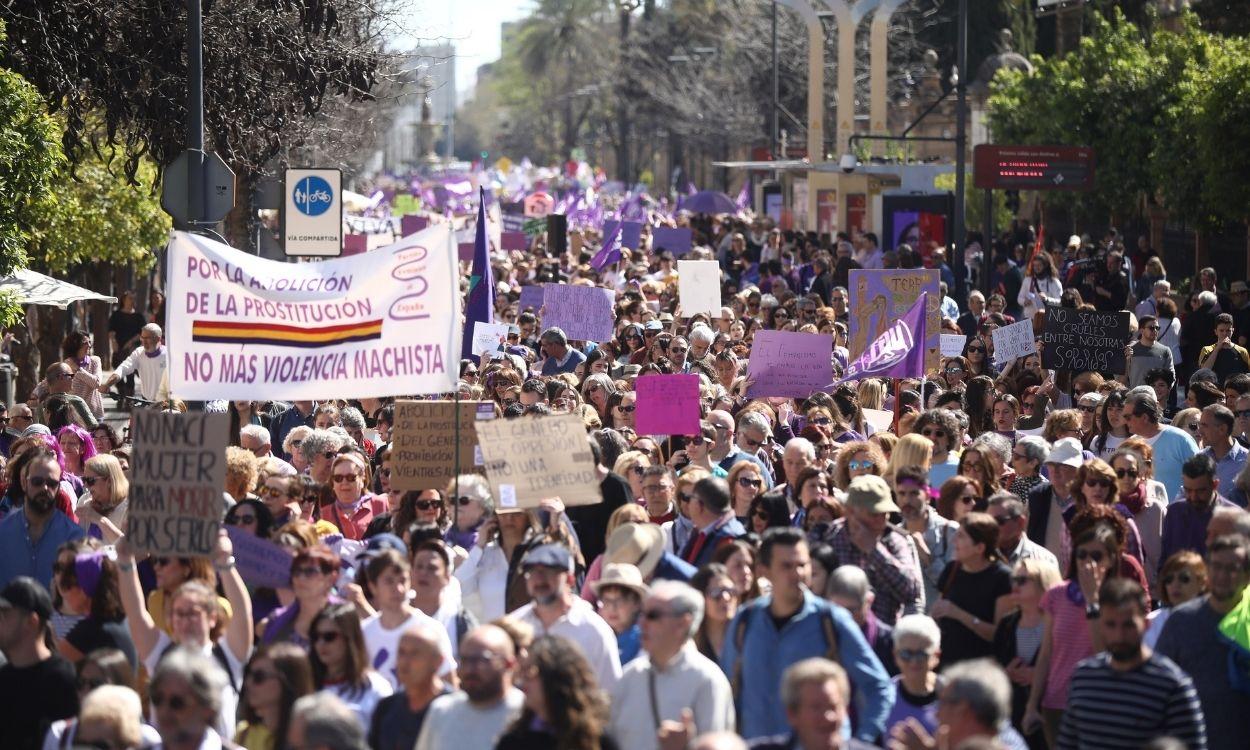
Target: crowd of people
1021, 558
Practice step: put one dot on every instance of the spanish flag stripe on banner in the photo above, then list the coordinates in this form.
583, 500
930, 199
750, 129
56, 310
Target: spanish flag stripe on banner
284, 335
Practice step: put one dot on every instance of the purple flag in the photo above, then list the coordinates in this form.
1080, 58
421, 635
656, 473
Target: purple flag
898, 352
611, 251
480, 304
690, 188
744, 197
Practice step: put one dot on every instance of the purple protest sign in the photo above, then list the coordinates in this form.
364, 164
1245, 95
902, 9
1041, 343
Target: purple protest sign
785, 363
355, 244
465, 251
631, 232
676, 240
584, 313
667, 405
260, 561
411, 224
531, 298
514, 241
897, 352
880, 297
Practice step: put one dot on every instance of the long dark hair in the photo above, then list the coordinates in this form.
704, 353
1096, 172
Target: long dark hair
292, 671
974, 403
347, 623
1099, 444
72, 342
576, 708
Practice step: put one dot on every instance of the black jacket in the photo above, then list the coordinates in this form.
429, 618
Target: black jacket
1038, 502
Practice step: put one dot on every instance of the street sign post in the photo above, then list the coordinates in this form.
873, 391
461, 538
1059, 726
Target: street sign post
218, 189
312, 213
1033, 167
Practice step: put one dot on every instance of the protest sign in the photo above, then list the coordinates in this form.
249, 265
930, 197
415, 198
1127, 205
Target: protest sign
584, 313
423, 454
534, 227
410, 224
631, 232
698, 287
514, 241
880, 419
531, 298
534, 458
1085, 340
260, 561
880, 297
177, 474
953, 344
386, 322
464, 251
1015, 340
489, 337
676, 240
785, 363
897, 352
667, 405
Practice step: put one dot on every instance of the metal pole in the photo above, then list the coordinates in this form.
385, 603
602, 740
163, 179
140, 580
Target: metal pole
989, 239
195, 113
961, 145
776, 92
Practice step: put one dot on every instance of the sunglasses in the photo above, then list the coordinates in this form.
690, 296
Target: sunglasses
857, 465
1095, 555
822, 421
345, 478
326, 636
721, 592
627, 409
1004, 520
651, 615
1098, 483
968, 499
329, 454
748, 482
175, 702
87, 685
463, 501
912, 654
1124, 473
1181, 578
307, 571
699, 440
428, 504
637, 469
1088, 409
90, 481
243, 519
677, 350
976, 350
761, 514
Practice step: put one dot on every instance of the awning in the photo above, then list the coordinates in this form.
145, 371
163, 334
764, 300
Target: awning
34, 288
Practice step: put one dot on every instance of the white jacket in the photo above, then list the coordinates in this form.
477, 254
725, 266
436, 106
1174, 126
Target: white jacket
1035, 293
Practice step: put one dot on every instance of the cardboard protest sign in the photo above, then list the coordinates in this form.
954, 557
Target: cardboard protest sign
698, 287
534, 458
584, 313
260, 561
676, 240
489, 337
531, 298
1085, 340
785, 363
880, 419
953, 344
631, 232
177, 477
879, 297
423, 451
667, 405
1013, 341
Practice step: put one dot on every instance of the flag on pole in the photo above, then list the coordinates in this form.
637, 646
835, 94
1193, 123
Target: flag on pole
479, 305
744, 196
898, 352
611, 251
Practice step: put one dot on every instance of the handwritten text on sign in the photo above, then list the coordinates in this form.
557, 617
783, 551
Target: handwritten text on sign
423, 455
584, 313
531, 459
1015, 340
1084, 340
784, 363
667, 405
177, 475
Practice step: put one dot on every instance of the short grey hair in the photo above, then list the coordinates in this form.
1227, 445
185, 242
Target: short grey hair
1239, 517
328, 722
256, 432
814, 670
201, 674
1035, 447
848, 582
1208, 298
702, 335
1163, 284
803, 446
320, 441
984, 686
918, 626
474, 486
297, 433
351, 418
753, 420
683, 599
994, 442
554, 335
1143, 399
153, 328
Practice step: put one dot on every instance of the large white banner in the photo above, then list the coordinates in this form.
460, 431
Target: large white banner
383, 323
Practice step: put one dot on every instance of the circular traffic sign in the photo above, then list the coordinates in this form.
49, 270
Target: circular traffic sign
312, 196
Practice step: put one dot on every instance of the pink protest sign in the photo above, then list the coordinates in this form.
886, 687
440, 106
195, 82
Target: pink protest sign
355, 244
667, 405
785, 363
514, 241
411, 224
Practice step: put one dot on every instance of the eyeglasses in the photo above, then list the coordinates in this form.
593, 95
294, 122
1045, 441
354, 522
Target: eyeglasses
243, 519
1182, 578
175, 702
628, 409
1095, 555
269, 492
1152, 328
698, 440
260, 676
677, 350
1088, 409
428, 504
306, 571
654, 487
976, 350
749, 482
325, 636
1004, 520
912, 654
345, 478
1125, 473
1092, 482
857, 465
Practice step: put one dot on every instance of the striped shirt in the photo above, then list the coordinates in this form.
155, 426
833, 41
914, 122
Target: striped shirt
1115, 710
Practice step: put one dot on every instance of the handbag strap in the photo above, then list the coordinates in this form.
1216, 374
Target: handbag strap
655, 703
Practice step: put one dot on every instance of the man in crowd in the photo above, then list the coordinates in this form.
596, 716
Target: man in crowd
1185, 525
560, 357
37, 685
711, 513
149, 360
1128, 694
1014, 545
1192, 639
974, 705
322, 721
753, 436
791, 624
1215, 427
671, 676
486, 703
556, 610
1147, 353
1224, 357
255, 438
816, 694
397, 719
848, 588
1172, 447
798, 454
30, 537
1050, 498
865, 538
56, 385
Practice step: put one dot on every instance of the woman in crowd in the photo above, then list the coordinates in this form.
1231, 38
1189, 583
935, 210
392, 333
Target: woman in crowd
597, 390
699, 450
473, 506
1144, 498
739, 558
1027, 458
917, 652
630, 513
620, 592
252, 517
976, 355
353, 508
1183, 578
978, 399
242, 413
85, 578
1096, 484
325, 416
856, 459
171, 573
292, 444
958, 497
954, 372
564, 707
912, 449
108, 491
621, 406
314, 571
767, 511
1111, 429
746, 483
105, 438
983, 465
193, 700
720, 600
1041, 287
941, 427
1018, 636
434, 591
630, 465
282, 496
85, 368
77, 448
104, 666
340, 662
974, 590
276, 676
1004, 413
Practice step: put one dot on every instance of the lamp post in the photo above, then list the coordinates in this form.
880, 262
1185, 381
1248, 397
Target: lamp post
961, 151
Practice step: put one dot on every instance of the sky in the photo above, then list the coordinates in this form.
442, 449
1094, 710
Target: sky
472, 26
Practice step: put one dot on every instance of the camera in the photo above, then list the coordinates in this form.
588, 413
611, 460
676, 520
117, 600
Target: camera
848, 162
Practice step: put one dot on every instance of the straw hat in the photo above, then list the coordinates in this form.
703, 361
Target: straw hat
638, 544
624, 575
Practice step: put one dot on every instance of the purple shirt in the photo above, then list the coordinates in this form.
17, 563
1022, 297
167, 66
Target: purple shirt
1185, 527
